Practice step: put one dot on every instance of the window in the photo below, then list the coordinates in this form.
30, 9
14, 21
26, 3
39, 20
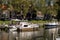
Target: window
25, 25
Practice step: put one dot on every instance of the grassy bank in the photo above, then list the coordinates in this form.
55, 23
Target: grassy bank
6, 22
33, 21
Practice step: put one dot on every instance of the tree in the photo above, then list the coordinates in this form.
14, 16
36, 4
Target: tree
58, 11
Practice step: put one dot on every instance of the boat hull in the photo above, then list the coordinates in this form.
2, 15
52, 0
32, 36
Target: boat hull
29, 29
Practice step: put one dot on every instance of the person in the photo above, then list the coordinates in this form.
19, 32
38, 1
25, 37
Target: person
40, 16
47, 16
28, 15
13, 14
18, 15
21, 14
5, 15
31, 15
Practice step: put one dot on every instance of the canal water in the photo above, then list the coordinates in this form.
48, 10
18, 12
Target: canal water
31, 35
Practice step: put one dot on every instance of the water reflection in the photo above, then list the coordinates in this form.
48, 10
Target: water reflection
31, 35
27, 35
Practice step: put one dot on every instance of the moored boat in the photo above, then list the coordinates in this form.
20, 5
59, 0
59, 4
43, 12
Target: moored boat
25, 26
51, 25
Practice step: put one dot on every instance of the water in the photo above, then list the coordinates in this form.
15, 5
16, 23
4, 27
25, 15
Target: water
31, 35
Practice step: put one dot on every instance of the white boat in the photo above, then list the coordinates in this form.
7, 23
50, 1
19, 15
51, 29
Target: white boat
25, 26
57, 38
51, 25
13, 28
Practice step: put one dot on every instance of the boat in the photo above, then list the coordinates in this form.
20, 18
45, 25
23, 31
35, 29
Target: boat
50, 25
57, 38
25, 26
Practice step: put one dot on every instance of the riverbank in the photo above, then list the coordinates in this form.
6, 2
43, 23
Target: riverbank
33, 21
40, 22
